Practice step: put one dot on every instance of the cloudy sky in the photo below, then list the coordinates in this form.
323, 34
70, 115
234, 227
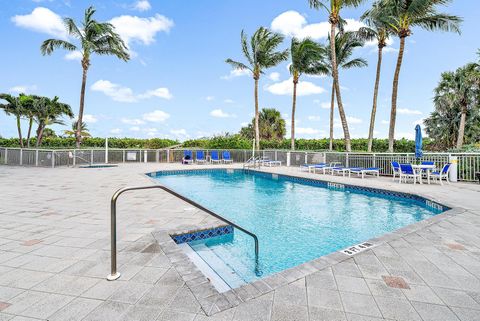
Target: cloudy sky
177, 84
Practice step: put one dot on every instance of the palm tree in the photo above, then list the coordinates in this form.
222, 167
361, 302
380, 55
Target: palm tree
50, 112
401, 16
15, 107
345, 44
307, 58
271, 125
458, 91
30, 109
95, 38
333, 8
380, 32
71, 133
261, 53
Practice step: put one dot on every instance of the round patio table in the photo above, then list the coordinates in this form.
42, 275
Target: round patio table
427, 168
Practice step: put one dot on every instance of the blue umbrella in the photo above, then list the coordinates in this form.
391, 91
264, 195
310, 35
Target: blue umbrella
418, 142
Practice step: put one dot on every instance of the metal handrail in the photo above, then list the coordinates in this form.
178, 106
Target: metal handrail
114, 274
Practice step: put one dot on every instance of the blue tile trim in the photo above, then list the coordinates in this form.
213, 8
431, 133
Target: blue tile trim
202, 235
419, 200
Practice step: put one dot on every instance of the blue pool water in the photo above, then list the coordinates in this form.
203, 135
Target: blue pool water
294, 221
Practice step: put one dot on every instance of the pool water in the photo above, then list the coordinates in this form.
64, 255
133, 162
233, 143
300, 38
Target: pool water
295, 221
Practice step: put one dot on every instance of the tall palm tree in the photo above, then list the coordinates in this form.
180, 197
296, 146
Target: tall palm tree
50, 111
460, 91
307, 58
95, 38
271, 125
333, 7
345, 44
261, 53
379, 31
15, 107
30, 109
71, 133
401, 16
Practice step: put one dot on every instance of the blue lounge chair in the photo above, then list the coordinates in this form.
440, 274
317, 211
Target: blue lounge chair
226, 157
443, 174
343, 170
200, 157
312, 166
327, 167
214, 157
395, 169
407, 171
364, 171
187, 157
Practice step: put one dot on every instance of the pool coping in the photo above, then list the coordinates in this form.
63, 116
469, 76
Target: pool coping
212, 301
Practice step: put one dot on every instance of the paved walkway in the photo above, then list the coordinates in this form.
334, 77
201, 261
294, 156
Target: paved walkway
54, 257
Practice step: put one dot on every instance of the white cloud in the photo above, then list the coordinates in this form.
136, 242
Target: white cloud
244, 124
385, 122
159, 92
135, 128
142, 30
323, 105
293, 24
115, 131
218, 113
125, 94
419, 122
23, 89
134, 121
308, 131
405, 135
74, 55
274, 76
350, 120
236, 73
150, 131
228, 101
406, 111
142, 5
209, 98
180, 133
314, 118
156, 116
304, 88
42, 20
89, 118
114, 91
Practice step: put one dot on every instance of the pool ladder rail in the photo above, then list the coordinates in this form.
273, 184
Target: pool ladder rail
254, 161
114, 274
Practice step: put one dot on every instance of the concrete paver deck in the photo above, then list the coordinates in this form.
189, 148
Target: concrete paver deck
55, 242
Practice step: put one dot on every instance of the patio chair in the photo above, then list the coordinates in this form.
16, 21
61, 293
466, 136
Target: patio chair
214, 157
200, 157
327, 167
309, 167
187, 157
443, 174
364, 171
226, 157
343, 170
395, 169
407, 171
272, 163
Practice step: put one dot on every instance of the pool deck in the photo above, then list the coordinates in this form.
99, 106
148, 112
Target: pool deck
55, 242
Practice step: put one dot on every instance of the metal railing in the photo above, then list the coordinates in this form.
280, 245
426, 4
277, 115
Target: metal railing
114, 274
468, 163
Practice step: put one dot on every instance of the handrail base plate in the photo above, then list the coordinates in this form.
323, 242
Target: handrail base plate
113, 277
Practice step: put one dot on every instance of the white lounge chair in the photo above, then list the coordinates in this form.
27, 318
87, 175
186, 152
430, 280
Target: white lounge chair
443, 174
364, 171
407, 171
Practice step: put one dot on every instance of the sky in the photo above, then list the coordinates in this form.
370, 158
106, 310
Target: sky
177, 84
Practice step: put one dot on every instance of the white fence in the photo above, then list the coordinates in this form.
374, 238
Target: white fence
468, 164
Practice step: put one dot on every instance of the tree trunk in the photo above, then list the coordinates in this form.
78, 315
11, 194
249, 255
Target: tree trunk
30, 123
374, 106
78, 132
19, 129
332, 111
39, 134
461, 127
336, 84
294, 105
393, 112
257, 130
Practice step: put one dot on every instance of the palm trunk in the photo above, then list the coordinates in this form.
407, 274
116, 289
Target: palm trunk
294, 105
393, 112
336, 84
39, 134
375, 95
257, 130
19, 129
461, 127
30, 123
332, 111
78, 133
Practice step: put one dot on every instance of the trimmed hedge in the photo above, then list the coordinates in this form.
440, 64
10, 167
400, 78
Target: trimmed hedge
223, 142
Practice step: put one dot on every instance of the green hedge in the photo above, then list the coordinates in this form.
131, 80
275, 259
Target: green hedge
94, 142
223, 142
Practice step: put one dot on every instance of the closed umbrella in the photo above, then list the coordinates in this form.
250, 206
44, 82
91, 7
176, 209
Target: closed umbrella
418, 142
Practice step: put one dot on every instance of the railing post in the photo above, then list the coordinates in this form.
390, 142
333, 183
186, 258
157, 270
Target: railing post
157, 156
74, 161
36, 157
453, 174
346, 160
145, 156
168, 155
123, 156
53, 158
288, 159
91, 156
21, 157
374, 160
6, 156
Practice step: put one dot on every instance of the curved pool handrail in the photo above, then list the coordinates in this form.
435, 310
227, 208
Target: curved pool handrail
114, 274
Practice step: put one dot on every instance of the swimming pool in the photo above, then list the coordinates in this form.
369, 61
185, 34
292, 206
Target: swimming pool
296, 220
